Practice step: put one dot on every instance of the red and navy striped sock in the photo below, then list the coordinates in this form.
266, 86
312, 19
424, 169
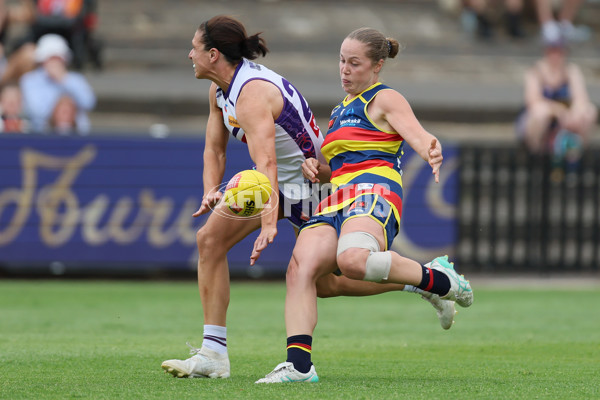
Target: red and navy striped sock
299, 348
434, 281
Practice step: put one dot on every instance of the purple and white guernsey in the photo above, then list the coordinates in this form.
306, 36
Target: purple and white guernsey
297, 136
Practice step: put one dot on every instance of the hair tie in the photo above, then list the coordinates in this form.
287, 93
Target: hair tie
389, 47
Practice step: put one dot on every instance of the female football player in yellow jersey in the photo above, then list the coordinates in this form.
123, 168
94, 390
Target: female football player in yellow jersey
253, 104
353, 228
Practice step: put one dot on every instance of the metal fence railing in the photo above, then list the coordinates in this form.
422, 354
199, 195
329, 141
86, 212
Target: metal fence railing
519, 212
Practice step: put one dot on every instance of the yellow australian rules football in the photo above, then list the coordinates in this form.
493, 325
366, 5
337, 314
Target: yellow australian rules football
247, 193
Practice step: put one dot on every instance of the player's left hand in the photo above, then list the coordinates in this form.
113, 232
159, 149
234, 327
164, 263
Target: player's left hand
266, 237
310, 169
435, 158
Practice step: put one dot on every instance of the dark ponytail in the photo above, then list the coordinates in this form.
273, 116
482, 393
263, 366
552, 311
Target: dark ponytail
255, 46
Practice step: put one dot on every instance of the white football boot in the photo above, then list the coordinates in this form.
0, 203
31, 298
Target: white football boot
205, 363
444, 308
285, 372
460, 288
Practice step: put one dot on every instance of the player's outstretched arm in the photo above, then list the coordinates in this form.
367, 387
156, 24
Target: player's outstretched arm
258, 106
399, 115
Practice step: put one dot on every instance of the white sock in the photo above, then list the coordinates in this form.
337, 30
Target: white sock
215, 338
414, 289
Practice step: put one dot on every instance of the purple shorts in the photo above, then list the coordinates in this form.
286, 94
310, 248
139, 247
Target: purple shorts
297, 211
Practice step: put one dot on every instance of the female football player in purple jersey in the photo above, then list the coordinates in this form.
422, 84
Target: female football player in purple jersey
259, 107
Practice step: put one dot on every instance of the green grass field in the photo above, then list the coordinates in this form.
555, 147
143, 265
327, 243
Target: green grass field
106, 340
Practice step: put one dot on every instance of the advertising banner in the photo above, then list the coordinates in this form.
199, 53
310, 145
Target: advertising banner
125, 204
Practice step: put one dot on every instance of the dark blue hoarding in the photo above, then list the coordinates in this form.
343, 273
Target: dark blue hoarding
107, 204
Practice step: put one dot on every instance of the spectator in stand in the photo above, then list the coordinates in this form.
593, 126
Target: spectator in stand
64, 117
14, 64
74, 20
11, 110
43, 87
479, 11
557, 109
562, 27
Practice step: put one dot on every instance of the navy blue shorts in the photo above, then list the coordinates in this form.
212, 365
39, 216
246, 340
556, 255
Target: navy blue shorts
365, 205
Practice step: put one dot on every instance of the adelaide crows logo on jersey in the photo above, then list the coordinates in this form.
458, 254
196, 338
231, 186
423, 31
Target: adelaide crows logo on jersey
331, 122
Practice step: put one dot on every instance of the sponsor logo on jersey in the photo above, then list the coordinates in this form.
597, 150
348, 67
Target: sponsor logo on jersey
233, 122
314, 126
364, 186
350, 121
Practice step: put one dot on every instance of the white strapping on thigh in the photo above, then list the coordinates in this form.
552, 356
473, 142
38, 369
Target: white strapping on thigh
361, 240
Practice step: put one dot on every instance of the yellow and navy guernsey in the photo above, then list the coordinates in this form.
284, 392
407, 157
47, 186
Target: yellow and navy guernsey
364, 159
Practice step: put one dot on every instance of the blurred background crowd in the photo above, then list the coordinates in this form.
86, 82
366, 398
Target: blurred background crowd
469, 67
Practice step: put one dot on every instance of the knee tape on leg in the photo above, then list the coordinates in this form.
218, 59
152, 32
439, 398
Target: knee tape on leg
378, 263
361, 240
378, 266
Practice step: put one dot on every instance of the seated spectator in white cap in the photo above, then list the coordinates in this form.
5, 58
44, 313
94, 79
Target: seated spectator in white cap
43, 87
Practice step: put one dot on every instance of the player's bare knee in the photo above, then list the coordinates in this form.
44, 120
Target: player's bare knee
302, 272
295, 274
292, 272
208, 245
203, 238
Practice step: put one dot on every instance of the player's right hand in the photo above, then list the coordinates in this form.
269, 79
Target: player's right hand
310, 169
208, 202
266, 237
435, 158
